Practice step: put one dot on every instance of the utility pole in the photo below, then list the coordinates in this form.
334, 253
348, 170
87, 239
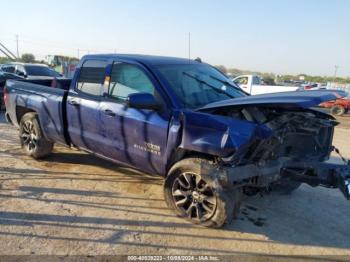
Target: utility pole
189, 46
78, 54
17, 46
335, 71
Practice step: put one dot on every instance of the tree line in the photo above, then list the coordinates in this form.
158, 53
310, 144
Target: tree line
282, 78
25, 58
268, 77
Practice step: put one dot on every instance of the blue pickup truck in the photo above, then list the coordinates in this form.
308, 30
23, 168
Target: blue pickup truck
186, 121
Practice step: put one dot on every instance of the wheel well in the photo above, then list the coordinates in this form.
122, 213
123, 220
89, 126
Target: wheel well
180, 154
21, 111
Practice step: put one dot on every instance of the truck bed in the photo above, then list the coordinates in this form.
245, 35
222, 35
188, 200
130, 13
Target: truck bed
48, 102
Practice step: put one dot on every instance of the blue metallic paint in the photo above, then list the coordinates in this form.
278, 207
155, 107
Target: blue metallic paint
122, 135
303, 99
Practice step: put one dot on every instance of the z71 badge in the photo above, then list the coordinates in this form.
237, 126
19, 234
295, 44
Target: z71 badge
149, 147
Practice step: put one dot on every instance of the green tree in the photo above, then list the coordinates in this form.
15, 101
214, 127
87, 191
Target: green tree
28, 58
269, 81
221, 68
4, 60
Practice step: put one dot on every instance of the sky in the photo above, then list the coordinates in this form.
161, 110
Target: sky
279, 36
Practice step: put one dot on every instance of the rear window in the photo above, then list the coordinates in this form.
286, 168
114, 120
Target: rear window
91, 78
33, 70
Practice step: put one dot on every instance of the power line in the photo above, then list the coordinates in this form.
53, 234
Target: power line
8, 52
56, 45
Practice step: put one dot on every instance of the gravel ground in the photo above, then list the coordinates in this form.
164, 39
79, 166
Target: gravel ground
74, 203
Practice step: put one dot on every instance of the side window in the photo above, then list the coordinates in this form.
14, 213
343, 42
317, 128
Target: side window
9, 69
242, 80
256, 80
128, 79
92, 76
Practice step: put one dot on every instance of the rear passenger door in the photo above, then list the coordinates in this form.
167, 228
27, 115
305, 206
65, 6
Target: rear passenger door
136, 137
83, 106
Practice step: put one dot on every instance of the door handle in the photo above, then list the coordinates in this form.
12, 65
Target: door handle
109, 112
74, 102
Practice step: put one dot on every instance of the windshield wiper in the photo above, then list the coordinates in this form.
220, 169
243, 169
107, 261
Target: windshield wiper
206, 83
228, 83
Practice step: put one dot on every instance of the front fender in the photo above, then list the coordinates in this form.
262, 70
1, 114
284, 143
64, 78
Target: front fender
218, 135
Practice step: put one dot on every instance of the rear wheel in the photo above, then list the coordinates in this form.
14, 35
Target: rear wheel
196, 198
32, 140
337, 110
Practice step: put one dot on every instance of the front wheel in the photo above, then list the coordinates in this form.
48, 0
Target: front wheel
32, 140
196, 198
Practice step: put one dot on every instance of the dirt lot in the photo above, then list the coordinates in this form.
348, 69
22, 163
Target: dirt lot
75, 203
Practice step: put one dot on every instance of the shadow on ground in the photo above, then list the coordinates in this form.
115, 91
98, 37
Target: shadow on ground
309, 217
281, 218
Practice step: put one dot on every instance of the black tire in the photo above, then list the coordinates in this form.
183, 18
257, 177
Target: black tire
337, 110
32, 140
216, 205
2, 103
285, 186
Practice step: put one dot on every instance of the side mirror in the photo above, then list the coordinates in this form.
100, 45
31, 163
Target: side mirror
143, 101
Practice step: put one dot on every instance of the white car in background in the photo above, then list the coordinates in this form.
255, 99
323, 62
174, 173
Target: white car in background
252, 84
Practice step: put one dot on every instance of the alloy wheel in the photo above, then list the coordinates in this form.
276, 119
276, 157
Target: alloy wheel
194, 197
29, 137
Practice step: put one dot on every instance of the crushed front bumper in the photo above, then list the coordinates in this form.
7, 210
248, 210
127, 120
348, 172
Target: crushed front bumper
312, 173
320, 174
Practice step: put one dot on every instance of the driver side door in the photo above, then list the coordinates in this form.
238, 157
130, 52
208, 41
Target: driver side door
136, 137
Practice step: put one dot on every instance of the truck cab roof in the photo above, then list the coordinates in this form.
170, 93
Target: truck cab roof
144, 59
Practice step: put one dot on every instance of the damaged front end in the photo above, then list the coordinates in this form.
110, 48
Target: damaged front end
259, 145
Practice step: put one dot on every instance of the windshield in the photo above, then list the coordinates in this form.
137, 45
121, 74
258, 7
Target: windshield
197, 85
33, 70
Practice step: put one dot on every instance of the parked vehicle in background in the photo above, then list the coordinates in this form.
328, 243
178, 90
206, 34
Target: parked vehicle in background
29, 71
63, 64
313, 86
338, 107
252, 84
25, 71
188, 122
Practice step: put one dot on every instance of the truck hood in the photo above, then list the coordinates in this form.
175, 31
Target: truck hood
301, 99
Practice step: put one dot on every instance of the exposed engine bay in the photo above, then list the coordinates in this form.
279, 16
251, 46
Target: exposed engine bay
300, 137
295, 134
